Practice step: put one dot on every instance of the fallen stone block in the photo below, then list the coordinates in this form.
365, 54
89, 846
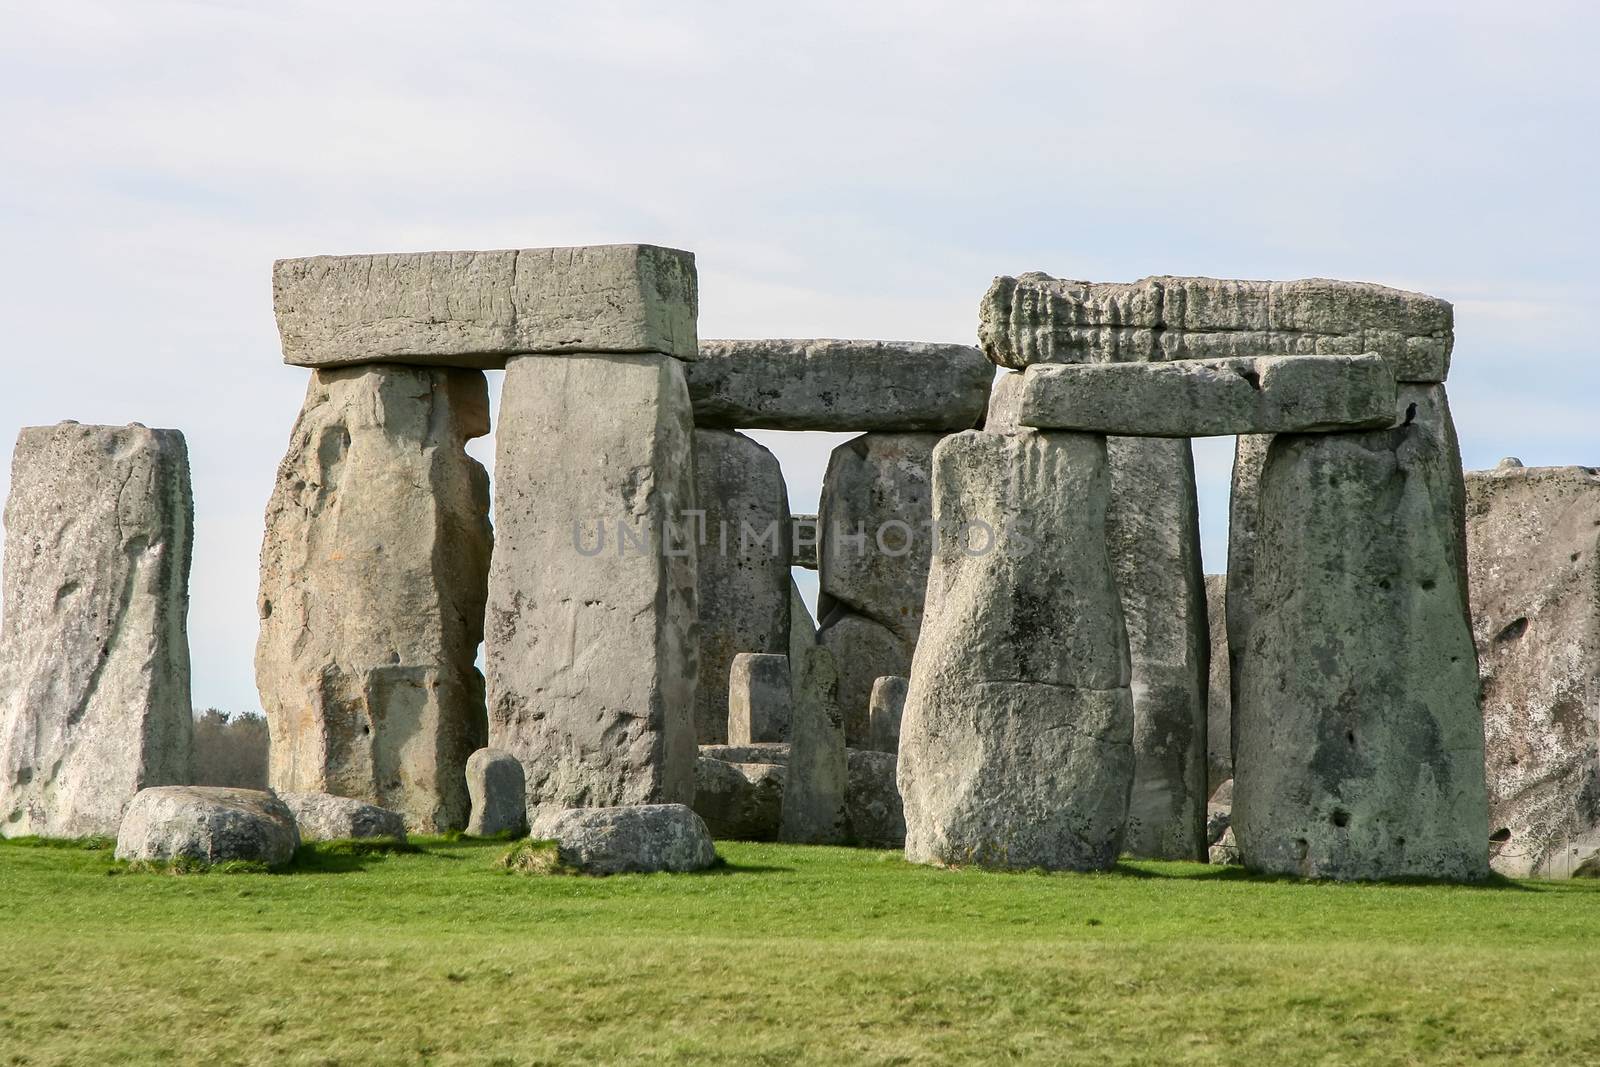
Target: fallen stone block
759, 697
874, 816
374, 570
207, 825
839, 386
474, 309
1533, 558
1211, 397
888, 705
1016, 747
499, 792
757, 753
1358, 740
1035, 318
94, 647
739, 801
742, 566
324, 817
638, 839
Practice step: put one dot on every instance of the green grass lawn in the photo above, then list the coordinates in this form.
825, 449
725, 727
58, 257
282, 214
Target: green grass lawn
783, 955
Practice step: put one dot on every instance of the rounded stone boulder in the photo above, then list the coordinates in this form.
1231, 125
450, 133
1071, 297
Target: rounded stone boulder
325, 817
208, 825
498, 787
629, 840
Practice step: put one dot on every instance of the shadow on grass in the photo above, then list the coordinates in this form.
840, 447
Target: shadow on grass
344, 857
1494, 883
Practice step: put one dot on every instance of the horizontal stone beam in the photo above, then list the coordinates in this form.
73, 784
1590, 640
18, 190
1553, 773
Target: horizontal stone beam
1212, 397
1035, 318
474, 309
842, 386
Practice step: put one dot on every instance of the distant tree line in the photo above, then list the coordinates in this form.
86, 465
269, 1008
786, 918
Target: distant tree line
230, 750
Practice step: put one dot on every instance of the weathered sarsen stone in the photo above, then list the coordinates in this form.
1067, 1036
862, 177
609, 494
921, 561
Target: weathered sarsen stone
1035, 318
840, 386
874, 512
324, 817
1016, 744
1533, 556
1219, 699
94, 649
1211, 397
498, 787
1153, 538
888, 706
743, 565
1358, 741
374, 569
474, 309
637, 839
760, 697
818, 775
591, 637
1244, 519
207, 825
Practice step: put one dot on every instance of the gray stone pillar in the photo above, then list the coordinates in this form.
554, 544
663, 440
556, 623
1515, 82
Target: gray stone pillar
1358, 742
374, 568
817, 781
1016, 742
94, 649
591, 640
743, 561
1219, 700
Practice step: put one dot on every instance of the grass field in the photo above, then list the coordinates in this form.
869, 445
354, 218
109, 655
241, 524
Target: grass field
782, 955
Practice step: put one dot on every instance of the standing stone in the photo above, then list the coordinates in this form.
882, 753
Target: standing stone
1219, 699
875, 506
1005, 403
1244, 519
888, 706
591, 636
759, 698
1016, 749
1533, 556
803, 541
94, 649
818, 777
373, 575
1358, 741
743, 563
1153, 537
499, 791
739, 801
874, 816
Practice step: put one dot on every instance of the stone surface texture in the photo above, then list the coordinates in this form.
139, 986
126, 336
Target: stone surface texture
803, 541
839, 386
208, 825
639, 839
324, 817
875, 546
591, 651
1244, 510
1016, 748
743, 565
1211, 397
1153, 538
1219, 697
374, 567
94, 648
474, 309
1358, 740
498, 788
874, 816
1533, 556
1035, 318
1005, 403
760, 696
818, 773
739, 801
888, 705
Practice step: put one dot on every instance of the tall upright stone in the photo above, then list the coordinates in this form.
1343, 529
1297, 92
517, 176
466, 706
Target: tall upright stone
591, 641
1219, 699
875, 546
1533, 556
1153, 536
1244, 510
94, 647
743, 565
818, 777
374, 569
1016, 745
1358, 741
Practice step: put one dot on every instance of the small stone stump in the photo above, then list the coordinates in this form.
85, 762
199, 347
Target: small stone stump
208, 825
883, 719
499, 791
759, 700
640, 839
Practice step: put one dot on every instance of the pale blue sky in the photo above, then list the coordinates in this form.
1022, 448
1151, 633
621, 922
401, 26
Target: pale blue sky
841, 169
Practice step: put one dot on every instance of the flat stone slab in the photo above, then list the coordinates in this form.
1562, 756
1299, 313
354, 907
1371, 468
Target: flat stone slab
641, 839
1211, 397
1035, 318
473, 309
325, 817
208, 825
835, 385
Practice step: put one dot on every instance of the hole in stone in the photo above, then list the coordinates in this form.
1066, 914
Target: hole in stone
1574, 556
1341, 819
1250, 375
1428, 583
1514, 630
1383, 583
1501, 835
366, 730
266, 609
1350, 736
1411, 413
